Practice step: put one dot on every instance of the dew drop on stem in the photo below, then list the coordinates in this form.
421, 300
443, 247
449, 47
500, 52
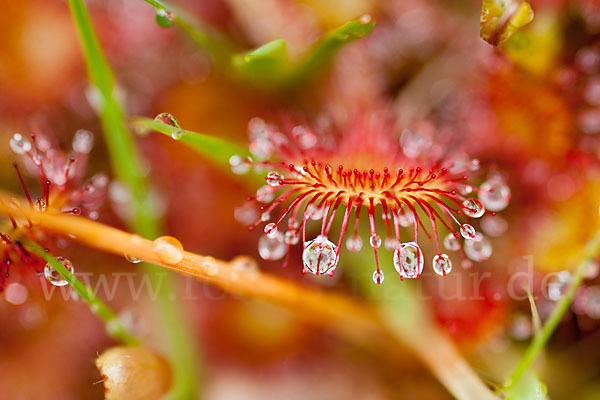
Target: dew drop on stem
169, 249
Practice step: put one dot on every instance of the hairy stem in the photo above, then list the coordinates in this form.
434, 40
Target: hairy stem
348, 318
540, 340
114, 326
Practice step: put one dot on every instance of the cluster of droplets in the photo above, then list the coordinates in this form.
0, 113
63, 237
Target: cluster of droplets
314, 191
61, 173
63, 190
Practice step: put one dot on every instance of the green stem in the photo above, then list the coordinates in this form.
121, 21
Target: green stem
114, 326
540, 340
216, 45
127, 166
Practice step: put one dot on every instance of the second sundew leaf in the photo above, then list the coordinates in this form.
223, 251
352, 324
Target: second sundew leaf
217, 149
270, 68
266, 65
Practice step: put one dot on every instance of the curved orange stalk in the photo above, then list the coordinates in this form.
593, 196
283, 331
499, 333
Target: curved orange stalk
349, 318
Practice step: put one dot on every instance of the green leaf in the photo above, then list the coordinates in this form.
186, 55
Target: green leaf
268, 63
215, 148
269, 66
528, 388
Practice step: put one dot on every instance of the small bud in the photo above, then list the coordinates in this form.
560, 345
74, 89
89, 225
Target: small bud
133, 373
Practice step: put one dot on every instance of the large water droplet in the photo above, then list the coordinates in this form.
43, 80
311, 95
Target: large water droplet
164, 18
167, 119
320, 255
442, 264
354, 243
467, 231
19, 144
473, 208
272, 248
170, 120
378, 276
83, 141
494, 194
451, 242
53, 276
479, 248
408, 260
169, 249
273, 178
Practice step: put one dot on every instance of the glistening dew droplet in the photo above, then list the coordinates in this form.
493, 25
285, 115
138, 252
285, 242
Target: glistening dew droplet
273, 179
354, 243
467, 231
473, 208
271, 230
378, 276
272, 248
451, 242
19, 144
169, 249
320, 255
375, 241
315, 212
494, 194
53, 276
40, 205
292, 237
164, 18
479, 248
239, 166
83, 141
265, 194
408, 260
132, 259
442, 264
390, 243
170, 120
176, 135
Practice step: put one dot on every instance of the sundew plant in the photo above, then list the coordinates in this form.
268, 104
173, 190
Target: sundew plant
300, 199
